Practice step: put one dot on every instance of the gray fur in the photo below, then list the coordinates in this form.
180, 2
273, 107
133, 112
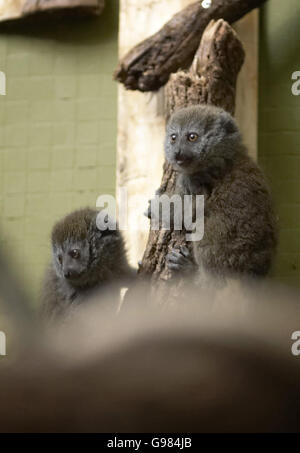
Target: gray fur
102, 261
240, 227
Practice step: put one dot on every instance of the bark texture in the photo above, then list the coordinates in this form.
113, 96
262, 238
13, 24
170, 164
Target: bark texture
34, 6
148, 65
12, 10
211, 79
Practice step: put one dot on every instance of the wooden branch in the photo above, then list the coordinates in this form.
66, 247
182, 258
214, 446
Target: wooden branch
148, 66
211, 79
35, 6
22, 9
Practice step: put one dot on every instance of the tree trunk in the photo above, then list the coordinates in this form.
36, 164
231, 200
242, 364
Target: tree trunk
211, 79
148, 65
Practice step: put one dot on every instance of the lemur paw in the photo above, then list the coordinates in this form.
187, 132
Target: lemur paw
180, 260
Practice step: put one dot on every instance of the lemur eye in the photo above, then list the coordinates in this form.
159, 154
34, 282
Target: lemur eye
173, 138
75, 254
192, 137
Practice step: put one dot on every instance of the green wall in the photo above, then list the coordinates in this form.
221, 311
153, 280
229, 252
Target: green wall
58, 124
279, 126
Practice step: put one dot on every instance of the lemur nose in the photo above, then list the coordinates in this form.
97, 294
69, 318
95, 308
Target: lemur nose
70, 274
178, 154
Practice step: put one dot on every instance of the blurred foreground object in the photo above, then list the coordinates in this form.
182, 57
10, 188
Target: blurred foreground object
221, 365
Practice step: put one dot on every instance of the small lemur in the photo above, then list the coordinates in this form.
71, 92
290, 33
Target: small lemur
84, 259
204, 145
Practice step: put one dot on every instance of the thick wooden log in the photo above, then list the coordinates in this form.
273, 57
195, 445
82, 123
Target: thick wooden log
211, 79
20, 9
35, 6
148, 65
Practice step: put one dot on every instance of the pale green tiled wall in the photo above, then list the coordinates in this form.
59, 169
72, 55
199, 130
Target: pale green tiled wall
279, 126
58, 126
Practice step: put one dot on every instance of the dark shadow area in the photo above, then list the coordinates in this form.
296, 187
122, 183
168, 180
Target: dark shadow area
74, 27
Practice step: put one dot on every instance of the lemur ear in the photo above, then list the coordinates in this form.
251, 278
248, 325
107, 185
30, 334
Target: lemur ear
94, 234
228, 123
105, 223
102, 225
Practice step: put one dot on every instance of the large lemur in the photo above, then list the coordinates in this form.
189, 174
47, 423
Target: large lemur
204, 146
85, 259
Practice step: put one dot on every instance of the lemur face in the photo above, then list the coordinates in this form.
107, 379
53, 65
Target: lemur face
84, 254
71, 259
197, 136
